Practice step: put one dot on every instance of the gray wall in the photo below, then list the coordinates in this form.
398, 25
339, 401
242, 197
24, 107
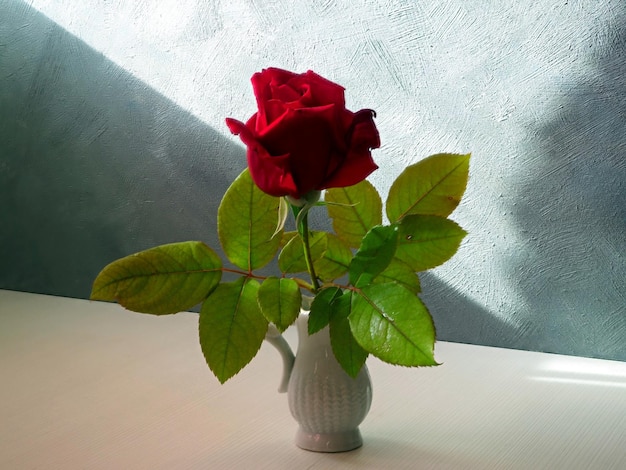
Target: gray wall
112, 140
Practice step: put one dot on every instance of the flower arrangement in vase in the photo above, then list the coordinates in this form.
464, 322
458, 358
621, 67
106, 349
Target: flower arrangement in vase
306, 151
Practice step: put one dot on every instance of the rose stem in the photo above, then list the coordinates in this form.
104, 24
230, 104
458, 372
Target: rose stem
303, 229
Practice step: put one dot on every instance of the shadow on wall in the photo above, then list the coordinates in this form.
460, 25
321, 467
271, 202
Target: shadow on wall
569, 210
94, 164
459, 319
572, 207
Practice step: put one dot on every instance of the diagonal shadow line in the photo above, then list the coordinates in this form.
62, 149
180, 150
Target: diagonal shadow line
94, 164
97, 165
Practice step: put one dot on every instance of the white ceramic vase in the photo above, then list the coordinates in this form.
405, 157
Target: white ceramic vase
327, 403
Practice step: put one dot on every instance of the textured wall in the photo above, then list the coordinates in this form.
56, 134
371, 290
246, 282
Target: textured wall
112, 140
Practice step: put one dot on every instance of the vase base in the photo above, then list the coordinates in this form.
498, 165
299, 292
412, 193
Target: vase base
329, 442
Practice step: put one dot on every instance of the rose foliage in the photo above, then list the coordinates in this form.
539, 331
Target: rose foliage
362, 276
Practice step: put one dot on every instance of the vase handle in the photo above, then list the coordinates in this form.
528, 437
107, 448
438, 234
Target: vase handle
277, 340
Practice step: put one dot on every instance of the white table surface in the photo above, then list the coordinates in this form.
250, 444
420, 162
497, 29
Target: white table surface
89, 385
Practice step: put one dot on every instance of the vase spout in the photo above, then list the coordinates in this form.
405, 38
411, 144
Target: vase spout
277, 340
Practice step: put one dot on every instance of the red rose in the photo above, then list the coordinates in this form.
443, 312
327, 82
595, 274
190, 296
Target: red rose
303, 138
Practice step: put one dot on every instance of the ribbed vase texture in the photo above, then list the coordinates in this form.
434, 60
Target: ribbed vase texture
327, 403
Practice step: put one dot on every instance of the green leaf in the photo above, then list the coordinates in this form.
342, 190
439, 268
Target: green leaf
350, 355
287, 237
283, 212
374, 255
280, 301
400, 272
162, 280
246, 224
291, 258
321, 308
330, 255
354, 211
231, 327
433, 186
426, 241
393, 324
334, 261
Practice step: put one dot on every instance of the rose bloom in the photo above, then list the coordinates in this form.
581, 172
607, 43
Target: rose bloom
302, 138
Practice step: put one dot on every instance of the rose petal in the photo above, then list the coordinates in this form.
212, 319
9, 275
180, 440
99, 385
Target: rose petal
239, 128
271, 174
324, 91
274, 110
355, 168
307, 136
302, 137
264, 84
364, 135
358, 163
287, 94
